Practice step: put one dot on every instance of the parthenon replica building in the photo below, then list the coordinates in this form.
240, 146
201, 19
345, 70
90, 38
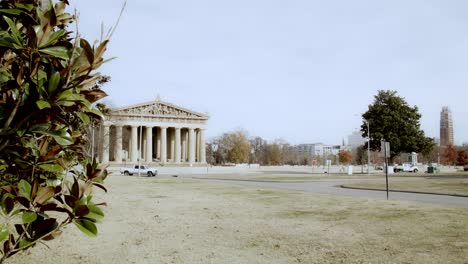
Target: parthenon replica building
154, 132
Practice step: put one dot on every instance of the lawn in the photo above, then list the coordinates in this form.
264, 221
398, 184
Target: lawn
449, 185
153, 220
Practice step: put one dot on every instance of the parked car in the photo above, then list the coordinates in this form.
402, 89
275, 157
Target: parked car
142, 169
407, 167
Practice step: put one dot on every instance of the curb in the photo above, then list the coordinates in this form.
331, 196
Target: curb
391, 190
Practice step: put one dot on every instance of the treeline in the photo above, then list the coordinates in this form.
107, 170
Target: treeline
236, 148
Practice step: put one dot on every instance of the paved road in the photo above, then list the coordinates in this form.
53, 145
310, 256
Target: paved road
330, 187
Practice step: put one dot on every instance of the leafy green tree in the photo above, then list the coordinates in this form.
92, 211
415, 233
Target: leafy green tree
391, 119
48, 84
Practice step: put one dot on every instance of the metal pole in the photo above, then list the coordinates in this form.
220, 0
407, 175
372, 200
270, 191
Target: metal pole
141, 144
386, 166
368, 147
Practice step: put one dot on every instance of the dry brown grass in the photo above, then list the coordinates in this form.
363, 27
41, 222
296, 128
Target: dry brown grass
438, 185
151, 220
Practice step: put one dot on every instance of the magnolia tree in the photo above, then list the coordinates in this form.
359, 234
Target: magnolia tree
48, 87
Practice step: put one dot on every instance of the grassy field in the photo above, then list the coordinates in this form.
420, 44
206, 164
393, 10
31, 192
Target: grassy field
436, 185
151, 220
301, 176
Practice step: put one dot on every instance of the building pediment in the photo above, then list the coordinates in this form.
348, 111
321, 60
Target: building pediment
157, 109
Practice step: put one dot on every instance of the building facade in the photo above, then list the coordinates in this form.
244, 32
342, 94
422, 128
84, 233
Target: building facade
446, 127
317, 149
356, 139
153, 132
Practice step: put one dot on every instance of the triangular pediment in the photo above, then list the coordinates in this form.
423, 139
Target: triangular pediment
157, 109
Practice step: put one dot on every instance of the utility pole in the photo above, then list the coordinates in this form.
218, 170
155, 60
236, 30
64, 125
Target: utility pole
368, 145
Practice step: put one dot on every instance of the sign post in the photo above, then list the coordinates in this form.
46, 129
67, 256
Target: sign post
385, 147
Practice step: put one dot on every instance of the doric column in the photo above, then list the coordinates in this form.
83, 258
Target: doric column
105, 147
192, 145
172, 145
158, 144
163, 144
197, 150
155, 143
177, 145
134, 143
202, 146
118, 143
149, 144
184, 146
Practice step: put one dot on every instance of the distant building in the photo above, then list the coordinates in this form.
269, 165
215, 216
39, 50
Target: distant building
446, 127
316, 149
356, 139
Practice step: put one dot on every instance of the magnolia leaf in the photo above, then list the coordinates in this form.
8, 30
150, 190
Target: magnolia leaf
52, 38
8, 203
65, 95
14, 31
28, 217
25, 243
54, 81
58, 51
24, 189
95, 212
95, 112
28, 7
4, 232
11, 11
61, 136
86, 226
44, 194
88, 51
43, 104
81, 210
84, 117
55, 168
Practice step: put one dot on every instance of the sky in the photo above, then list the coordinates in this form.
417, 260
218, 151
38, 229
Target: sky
300, 70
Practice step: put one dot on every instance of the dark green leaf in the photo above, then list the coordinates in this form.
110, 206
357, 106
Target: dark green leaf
54, 81
59, 52
11, 11
86, 226
14, 31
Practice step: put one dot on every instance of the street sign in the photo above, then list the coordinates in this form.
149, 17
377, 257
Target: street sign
385, 153
384, 149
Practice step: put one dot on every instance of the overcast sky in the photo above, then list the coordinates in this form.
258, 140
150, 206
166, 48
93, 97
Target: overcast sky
300, 70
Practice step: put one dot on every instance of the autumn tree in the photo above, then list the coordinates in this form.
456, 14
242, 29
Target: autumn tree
48, 87
345, 156
390, 118
462, 158
258, 150
234, 147
273, 154
449, 155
